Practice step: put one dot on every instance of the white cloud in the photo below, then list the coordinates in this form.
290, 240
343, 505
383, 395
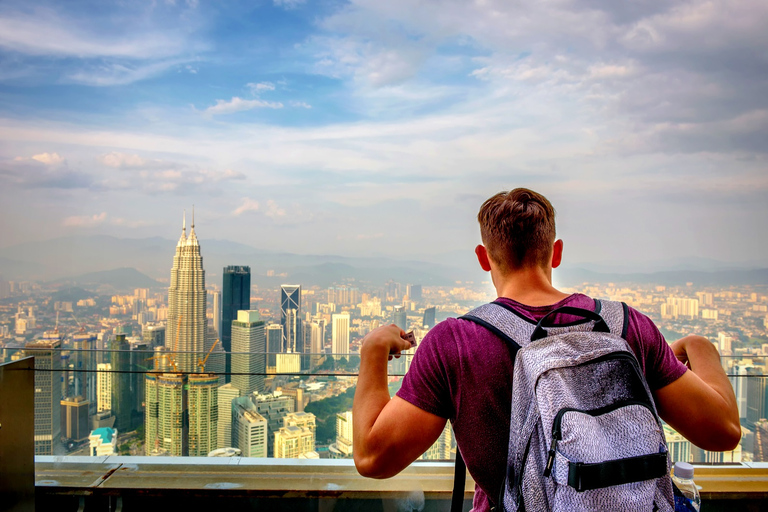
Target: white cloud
49, 158
289, 4
300, 104
259, 87
85, 221
122, 160
273, 210
237, 104
246, 205
104, 75
46, 32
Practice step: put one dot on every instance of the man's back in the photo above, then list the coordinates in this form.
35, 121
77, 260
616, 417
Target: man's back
462, 372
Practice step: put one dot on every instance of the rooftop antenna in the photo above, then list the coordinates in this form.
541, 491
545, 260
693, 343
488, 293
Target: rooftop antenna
184, 222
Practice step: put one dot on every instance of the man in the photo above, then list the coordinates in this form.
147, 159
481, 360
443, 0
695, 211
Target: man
463, 373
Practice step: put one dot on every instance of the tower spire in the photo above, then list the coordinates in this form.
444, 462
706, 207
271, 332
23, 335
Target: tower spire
183, 238
193, 217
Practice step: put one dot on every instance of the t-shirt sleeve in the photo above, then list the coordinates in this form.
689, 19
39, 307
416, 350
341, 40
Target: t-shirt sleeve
427, 384
659, 363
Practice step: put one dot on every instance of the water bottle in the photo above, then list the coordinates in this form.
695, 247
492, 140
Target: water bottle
687, 500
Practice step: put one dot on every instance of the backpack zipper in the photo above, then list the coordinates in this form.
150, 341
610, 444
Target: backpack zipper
557, 433
612, 355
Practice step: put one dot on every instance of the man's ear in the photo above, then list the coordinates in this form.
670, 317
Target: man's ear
482, 257
557, 253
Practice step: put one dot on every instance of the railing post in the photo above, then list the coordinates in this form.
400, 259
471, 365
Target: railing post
17, 433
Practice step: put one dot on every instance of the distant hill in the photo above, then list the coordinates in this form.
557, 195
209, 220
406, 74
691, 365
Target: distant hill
119, 279
107, 261
733, 277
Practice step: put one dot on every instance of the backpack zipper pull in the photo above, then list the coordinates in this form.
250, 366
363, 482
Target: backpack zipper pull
551, 458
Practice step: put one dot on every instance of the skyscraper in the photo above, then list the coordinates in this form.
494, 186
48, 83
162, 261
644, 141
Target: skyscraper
273, 408
399, 317
74, 418
429, 317
249, 428
47, 392
104, 386
249, 347
340, 335
236, 296
290, 317
203, 414
274, 343
121, 383
187, 303
82, 359
317, 332
216, 298
166, 424
227, 393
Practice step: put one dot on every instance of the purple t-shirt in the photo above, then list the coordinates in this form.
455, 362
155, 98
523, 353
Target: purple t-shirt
463, 372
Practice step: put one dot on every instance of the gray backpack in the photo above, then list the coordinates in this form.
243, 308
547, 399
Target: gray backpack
584, 431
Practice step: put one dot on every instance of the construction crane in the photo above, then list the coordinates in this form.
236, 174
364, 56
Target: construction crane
201, 362
81, 326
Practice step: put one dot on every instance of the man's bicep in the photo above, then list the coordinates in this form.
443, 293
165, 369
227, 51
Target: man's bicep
403, 432
694, 409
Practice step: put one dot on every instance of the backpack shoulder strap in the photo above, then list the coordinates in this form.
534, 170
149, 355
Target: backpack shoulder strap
615, 314
504, 322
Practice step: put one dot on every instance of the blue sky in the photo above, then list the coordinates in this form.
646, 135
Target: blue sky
378, 128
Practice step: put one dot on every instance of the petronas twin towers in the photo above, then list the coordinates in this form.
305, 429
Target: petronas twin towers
187, 323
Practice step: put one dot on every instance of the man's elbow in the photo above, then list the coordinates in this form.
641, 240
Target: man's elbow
370, 467
722, 439
732, 436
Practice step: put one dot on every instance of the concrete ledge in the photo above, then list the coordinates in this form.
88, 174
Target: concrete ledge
303, 481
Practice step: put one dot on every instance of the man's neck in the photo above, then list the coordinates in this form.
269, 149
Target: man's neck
531, 286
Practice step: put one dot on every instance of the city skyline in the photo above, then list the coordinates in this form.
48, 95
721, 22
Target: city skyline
357, 128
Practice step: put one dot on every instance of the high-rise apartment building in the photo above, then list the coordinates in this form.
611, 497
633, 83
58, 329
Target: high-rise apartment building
249, 347
216, 313
236, 296
249, 429
292, 442
154, 334
46, 352
82, 361
122, 403
414, 292
429, 317
301, 419
340, 335
227, 393
203, 414
104, 387
75, 422
316, 336
187, 322
344, 434
399, 317
290, 317
166, 423
273, 407
274, 343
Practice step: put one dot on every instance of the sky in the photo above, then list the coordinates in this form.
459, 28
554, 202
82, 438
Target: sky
378, 128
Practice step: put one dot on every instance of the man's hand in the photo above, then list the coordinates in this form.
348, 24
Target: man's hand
388, 433
387, 339
701, 404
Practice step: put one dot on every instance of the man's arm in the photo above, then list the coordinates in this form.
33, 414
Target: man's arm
701, 404
389, 433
